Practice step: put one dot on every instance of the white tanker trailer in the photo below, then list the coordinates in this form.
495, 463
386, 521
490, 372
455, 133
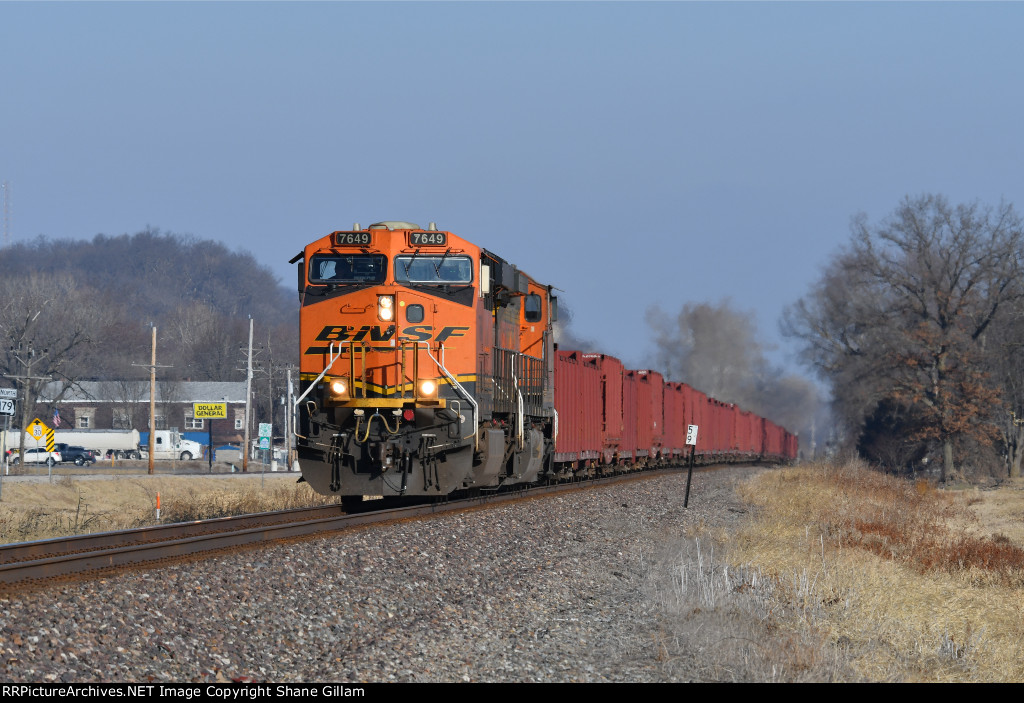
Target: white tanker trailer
122, 444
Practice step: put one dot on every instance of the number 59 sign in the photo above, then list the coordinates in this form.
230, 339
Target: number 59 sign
691, 435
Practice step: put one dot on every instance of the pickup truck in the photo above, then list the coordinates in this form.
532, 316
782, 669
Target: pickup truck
38, 456
80, 455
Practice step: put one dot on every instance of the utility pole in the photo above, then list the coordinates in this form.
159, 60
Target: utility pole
288, 429
270, 369
25, 381
152, 400
248, 397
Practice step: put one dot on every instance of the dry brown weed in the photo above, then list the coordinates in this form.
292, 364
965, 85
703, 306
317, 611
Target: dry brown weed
31, 511
897, 571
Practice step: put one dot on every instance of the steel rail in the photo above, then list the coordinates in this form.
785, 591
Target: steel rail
62, 546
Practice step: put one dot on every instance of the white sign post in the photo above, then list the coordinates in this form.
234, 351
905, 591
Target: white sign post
691, 439
8, 396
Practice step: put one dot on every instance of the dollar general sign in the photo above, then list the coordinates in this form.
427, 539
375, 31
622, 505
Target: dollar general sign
210, 410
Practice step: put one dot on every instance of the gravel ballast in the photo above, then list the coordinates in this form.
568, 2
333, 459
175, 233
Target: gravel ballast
550, 589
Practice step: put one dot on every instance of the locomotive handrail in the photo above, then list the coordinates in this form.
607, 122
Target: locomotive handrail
323, 373
519, 404
460, 389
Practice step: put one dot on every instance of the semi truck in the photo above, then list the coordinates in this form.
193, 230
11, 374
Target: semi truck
121, 444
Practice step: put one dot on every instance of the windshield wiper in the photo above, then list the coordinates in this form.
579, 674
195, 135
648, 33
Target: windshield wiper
437, 266
415, 253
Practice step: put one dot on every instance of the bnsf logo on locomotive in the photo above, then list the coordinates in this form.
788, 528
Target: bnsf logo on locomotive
376, 333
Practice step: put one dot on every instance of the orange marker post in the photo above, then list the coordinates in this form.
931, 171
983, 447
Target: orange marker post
158, 507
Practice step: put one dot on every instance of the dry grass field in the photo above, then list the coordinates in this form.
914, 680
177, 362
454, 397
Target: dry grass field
76, 502
906, 582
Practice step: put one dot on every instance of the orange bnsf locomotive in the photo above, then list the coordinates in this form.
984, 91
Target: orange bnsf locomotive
428, 367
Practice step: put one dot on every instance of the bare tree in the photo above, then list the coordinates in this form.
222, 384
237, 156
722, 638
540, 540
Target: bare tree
1004, 347
902, 314
47, 324
169, 402
715, 348
205, 342
129, 401
711, 347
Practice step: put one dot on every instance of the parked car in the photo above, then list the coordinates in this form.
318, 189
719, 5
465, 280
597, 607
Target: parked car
80, 455
38, 456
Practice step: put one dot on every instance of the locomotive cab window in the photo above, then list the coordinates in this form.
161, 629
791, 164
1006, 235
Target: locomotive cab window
433, 268
532, 308
348, 268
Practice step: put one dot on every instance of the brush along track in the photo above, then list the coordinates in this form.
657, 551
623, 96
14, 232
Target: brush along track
33, 562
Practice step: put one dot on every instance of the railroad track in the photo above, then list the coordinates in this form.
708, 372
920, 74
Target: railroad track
27, 563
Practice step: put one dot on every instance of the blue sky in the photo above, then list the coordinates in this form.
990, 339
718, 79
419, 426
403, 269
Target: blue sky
630, 154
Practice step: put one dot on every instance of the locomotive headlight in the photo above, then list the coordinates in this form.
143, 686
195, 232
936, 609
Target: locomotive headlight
339, 389
386, 307
427, 388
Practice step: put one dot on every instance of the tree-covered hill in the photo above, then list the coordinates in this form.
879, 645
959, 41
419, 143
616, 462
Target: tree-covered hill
84, 310
159, 271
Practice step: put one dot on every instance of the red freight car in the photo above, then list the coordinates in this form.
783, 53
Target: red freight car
651, 399
676, 421
748, 434
612, 416
631, 423
612, 426
700, 415
578, 398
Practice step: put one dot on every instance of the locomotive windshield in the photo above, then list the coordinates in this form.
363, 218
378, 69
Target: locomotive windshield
433, 268
348, 268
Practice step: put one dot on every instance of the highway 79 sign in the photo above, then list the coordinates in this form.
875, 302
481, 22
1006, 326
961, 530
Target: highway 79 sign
6, 406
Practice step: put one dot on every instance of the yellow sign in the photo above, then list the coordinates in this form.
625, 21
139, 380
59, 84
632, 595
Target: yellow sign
210, 410
37, 429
